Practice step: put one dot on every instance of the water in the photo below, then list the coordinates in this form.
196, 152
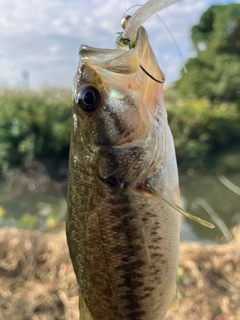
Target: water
213, 193
207, 187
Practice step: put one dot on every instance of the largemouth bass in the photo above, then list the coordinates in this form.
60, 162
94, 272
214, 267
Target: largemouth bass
123, 201
123, 240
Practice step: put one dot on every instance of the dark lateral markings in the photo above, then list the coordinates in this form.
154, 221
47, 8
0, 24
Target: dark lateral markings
129, 282
130, 266
136, 315
149, 289
156, 254
154, 247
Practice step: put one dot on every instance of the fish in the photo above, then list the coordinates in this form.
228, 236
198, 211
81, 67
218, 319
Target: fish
123, 239
124, 215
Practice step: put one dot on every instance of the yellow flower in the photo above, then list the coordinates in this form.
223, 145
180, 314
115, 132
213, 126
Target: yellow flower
51, 223
2, 212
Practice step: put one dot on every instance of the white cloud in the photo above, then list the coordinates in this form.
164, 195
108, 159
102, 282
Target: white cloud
43, 37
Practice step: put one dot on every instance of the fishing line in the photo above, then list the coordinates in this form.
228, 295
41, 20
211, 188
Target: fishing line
168, 30
176, 45
126, 10
152, 77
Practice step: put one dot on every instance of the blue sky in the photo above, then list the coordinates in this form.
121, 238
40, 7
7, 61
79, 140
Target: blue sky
43, 36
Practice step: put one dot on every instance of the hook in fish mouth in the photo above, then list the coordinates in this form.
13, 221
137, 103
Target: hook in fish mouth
131, 45
152, 77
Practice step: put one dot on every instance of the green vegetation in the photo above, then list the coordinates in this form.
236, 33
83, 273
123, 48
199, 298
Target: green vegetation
49, 217
37, 125
205, 102
215, 72
34, 125
201, 129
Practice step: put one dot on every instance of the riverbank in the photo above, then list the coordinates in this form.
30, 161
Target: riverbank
37, 281
36, 126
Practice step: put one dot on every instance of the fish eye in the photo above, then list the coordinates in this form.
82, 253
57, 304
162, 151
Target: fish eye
88, 99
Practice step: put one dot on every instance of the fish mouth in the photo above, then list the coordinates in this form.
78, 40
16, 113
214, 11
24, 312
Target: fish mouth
124, 59
114, 60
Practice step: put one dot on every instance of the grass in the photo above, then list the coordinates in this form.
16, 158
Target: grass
37, 280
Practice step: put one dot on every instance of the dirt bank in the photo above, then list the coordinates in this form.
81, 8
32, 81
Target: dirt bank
37, 281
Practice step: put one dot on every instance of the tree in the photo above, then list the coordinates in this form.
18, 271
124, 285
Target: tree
215, 71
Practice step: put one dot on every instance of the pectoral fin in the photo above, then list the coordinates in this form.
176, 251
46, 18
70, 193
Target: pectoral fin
84, 312
158, 192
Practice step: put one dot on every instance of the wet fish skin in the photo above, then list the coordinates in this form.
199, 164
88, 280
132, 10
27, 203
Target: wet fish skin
123, 240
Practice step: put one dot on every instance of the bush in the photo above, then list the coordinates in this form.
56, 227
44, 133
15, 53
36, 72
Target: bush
34, 125
37, 125
201, 129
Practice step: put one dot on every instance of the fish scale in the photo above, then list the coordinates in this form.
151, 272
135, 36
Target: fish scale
123, 240
123, 267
